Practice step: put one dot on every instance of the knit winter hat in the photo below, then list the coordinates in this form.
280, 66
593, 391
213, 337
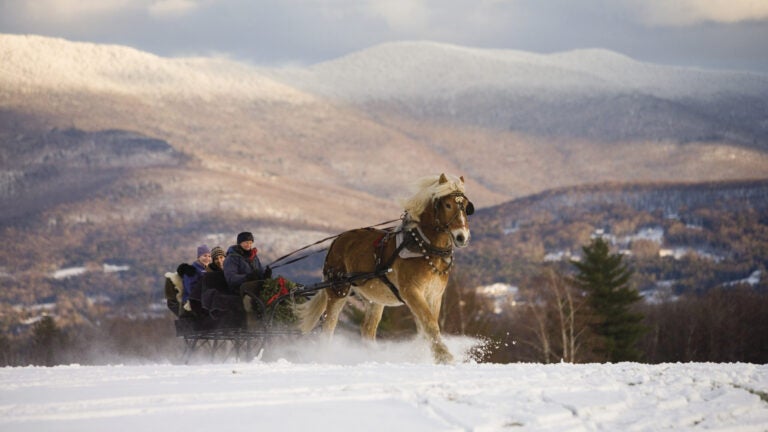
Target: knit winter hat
202, 250
244, 236
217, 252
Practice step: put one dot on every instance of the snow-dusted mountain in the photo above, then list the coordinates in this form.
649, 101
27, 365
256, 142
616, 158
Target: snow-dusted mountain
364, 125
409, 70
36, 62
593, 94
388, 71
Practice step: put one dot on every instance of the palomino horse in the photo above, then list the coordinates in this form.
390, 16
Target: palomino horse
412, 264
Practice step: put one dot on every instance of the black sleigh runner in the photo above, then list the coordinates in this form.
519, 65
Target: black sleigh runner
407, 264
224, 331
218, 326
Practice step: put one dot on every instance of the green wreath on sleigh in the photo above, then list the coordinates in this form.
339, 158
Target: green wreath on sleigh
275, 289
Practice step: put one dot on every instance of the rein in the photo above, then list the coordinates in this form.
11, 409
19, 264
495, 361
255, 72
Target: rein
273, 266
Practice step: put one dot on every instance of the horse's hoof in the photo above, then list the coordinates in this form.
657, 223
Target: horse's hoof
443, 356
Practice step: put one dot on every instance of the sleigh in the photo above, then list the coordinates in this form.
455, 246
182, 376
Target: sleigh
236, 336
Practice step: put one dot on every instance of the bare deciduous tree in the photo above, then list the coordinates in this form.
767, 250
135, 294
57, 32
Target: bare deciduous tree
560, 318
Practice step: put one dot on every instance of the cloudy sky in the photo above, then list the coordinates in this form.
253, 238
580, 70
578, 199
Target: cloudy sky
725, 34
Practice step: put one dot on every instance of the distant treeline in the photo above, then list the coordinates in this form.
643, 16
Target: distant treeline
722, 325
707, 304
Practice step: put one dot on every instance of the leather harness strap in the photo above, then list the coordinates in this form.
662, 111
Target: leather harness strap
423, 246
382, 243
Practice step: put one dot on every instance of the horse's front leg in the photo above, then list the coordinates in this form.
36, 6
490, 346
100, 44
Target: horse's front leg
436, 302
428, 325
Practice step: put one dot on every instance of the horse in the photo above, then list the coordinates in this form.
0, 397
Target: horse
390, 267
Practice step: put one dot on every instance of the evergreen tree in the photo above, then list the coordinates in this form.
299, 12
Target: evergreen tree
6, 351
46, 340
605, 279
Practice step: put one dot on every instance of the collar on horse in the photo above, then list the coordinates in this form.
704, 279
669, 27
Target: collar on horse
418, 244
412, 243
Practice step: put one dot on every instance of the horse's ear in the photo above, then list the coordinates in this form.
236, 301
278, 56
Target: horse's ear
443, 178
461, 178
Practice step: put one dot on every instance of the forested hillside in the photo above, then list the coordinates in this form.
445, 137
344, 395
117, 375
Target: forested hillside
687, 237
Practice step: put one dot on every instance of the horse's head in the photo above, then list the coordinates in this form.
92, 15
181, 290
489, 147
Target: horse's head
451, 212
440, 205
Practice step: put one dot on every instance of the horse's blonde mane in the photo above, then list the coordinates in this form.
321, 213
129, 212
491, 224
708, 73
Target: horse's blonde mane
427, 189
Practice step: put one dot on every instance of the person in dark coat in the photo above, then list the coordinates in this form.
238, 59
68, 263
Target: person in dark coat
218, 299
243, 270
217, 258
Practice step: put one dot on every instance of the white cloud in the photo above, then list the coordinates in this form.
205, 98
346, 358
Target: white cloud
90, 11
691, 12
73, 10
402, 15
172, 8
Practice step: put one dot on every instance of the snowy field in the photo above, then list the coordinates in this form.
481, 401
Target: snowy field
390, 387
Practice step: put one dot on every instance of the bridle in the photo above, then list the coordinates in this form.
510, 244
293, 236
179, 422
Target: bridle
422, 242
468, 209
414, 236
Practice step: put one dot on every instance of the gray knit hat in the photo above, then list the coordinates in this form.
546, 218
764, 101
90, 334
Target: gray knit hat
217, 252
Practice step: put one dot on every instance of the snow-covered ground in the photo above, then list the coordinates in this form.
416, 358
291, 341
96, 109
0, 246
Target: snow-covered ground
391, 387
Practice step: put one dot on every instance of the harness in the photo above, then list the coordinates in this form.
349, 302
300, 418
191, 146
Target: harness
413, 243
410, 243
381, 244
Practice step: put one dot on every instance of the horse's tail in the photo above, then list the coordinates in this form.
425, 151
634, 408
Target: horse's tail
309, 313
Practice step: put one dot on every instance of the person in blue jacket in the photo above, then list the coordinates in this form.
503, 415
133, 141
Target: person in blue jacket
192, 280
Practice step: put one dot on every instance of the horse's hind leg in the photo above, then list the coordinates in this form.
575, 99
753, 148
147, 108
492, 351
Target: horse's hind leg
373, 313
333, 310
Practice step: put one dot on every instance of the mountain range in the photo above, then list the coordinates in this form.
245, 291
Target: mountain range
357, 130
96, 136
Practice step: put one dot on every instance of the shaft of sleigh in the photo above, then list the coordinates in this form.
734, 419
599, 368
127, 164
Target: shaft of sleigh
346, 279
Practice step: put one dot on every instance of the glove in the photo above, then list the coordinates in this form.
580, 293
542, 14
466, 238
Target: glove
268, 273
